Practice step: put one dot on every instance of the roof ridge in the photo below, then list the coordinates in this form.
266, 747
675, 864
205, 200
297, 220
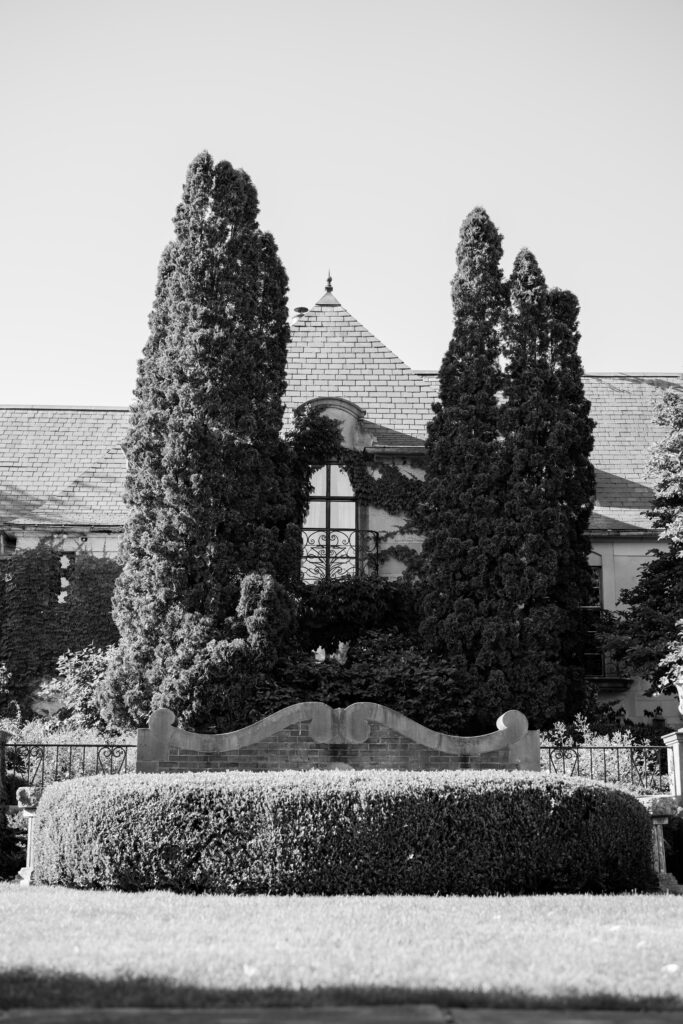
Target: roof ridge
69, 408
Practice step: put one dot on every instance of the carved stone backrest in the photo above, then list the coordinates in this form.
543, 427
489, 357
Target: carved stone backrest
314, 735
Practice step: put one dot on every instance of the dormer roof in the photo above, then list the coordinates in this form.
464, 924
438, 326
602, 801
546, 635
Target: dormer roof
331, 353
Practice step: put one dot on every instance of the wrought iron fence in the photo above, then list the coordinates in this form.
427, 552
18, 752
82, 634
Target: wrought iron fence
37, 764
334, 554
644, 767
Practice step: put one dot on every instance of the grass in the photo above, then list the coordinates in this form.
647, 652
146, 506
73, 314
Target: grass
61, 947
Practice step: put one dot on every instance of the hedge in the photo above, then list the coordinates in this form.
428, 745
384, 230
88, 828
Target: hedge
363, 832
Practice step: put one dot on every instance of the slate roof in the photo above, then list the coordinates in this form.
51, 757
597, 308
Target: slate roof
623, 407
331, 354
62, 466
65, 466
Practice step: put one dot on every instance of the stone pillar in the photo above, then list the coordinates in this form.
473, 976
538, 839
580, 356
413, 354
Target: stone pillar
154, 742
660, 808
674, 757
525, 754
658, 851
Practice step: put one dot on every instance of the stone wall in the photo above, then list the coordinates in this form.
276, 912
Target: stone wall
314, 735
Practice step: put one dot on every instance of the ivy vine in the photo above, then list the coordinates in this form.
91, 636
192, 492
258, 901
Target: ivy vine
392, 490
36, 627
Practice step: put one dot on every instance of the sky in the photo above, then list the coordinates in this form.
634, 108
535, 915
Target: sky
370, 129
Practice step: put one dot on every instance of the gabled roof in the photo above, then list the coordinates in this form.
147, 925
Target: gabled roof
65, 466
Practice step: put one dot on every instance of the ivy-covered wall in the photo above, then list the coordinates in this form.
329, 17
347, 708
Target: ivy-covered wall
51, 602
390, 489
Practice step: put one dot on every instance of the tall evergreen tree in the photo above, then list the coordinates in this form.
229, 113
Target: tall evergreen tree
543, 570
460, 516
208, 485
648, 637
571, 440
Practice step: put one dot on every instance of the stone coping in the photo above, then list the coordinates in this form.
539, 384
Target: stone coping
329, 726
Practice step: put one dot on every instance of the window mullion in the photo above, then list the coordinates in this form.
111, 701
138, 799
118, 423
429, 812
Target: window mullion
328, 514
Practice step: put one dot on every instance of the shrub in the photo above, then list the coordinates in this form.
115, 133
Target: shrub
206, 675
10, 849
334, 611
619, 757
389, 668
79, 678
343, 833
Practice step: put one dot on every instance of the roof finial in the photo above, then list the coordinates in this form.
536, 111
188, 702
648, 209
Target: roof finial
328, 286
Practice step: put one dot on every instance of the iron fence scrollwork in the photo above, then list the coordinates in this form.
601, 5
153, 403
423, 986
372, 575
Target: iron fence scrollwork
644, 766
37, 764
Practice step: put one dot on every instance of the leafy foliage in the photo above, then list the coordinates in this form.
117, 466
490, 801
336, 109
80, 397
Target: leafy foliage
672, 662
28, 629
647, 638
36, 628
542, 572
339, 611
215, 493
329, 833
509, 486
619, 756
386, 488
463, 489
391, 669
206, 676
85, 617
79, 678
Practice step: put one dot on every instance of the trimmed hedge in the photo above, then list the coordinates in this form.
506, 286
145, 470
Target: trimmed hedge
364, 832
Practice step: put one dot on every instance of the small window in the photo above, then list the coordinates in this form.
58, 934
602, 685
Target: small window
8, 545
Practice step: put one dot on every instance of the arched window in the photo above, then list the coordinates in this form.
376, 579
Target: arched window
333, 545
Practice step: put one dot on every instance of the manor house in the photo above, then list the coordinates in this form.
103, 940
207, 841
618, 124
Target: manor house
63, 468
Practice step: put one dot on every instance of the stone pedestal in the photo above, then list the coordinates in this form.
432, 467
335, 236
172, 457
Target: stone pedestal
674, 757
27, 799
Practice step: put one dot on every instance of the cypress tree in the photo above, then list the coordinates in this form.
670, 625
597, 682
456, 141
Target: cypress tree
648, 637
571, 440
460, 516
208, 485
543, 570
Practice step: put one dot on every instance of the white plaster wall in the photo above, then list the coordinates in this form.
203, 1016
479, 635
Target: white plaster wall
621, 560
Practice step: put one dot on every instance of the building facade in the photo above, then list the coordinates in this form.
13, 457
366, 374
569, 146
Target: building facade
63, 468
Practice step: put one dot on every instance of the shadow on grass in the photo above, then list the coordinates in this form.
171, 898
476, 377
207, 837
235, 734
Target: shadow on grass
22, 988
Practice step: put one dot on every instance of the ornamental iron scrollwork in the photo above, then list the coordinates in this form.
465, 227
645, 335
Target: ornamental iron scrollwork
38, 764
111, 760
336, 554
27, 760
642, 766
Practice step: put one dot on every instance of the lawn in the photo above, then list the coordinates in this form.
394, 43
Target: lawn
69, 948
